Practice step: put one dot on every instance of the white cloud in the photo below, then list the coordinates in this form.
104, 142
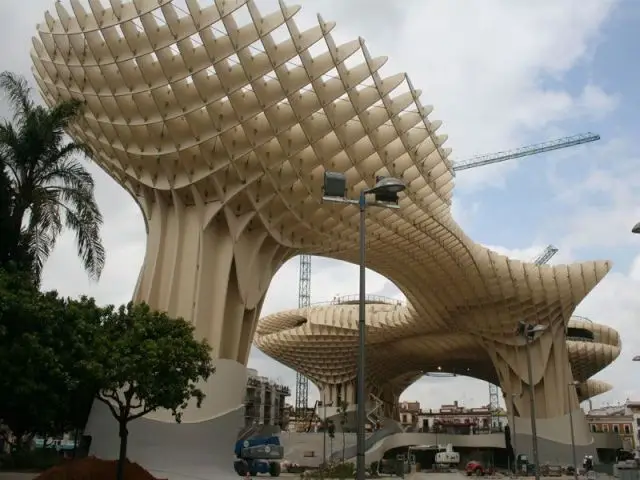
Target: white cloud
595, 101
484, 65
605, 204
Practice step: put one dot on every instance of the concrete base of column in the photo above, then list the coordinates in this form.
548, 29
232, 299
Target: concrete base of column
554, 439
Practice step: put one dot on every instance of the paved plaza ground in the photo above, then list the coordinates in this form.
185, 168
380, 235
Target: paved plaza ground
412, 476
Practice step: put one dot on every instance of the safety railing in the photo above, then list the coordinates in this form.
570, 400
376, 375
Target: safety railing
580, 339
355, 299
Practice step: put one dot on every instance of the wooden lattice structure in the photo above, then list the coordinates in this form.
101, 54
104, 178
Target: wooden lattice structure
221, 128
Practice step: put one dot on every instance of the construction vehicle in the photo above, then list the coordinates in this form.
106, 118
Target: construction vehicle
258, 455
446, 457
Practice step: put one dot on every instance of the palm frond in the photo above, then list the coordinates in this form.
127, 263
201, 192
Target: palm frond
44, 226
19, 94
63, 169
9, 144
83, 217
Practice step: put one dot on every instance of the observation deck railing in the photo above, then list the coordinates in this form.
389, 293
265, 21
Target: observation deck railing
579, 317
355, 299
580, 339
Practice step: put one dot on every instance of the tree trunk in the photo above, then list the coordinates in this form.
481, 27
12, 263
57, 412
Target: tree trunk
122, 458
75, 443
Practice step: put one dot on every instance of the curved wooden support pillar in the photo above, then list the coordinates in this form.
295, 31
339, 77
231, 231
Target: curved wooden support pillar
550, 368
554, 397
209, 267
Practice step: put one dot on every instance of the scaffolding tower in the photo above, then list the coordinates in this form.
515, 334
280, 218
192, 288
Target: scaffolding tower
304, 300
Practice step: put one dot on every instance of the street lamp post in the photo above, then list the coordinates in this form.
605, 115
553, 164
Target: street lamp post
325, 425
529, 332
386, 192
572, 387
514, 433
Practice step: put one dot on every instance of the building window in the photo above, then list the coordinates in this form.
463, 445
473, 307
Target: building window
627, 429
404, 418
616, 429
594, 428
605, 428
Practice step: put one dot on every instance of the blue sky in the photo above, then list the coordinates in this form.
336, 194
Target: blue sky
529, 200
500, 74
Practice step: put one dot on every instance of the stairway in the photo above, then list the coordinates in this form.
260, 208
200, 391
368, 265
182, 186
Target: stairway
374, 415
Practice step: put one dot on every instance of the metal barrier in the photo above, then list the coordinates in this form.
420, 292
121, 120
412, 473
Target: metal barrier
355, 299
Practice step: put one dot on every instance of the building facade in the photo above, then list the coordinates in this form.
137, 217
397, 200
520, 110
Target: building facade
617, 419
633, 407
450, 418
410, 414
265, 401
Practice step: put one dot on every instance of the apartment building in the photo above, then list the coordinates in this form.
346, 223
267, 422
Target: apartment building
449, 418
265, 401
409, 414
619, 419
634, 410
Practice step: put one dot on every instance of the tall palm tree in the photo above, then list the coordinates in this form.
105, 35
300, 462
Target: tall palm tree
49, 189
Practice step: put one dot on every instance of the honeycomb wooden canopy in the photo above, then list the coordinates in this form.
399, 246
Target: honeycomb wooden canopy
321, 342
222, 131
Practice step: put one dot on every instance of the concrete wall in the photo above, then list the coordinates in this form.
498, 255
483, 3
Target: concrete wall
296, 444
201, 446
554, 438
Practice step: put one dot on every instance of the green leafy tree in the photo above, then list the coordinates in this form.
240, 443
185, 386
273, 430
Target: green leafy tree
147, 361
46, 187
331, 430
344, 419
45, 355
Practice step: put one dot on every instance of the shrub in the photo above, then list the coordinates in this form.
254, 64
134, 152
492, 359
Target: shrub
341, 471
30, 460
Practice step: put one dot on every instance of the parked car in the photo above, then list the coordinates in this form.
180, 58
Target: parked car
476, 468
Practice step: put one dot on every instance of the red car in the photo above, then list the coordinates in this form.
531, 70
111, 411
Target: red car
477, 469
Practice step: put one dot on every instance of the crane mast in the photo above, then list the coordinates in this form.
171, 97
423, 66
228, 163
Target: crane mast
304, 300
304, 285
